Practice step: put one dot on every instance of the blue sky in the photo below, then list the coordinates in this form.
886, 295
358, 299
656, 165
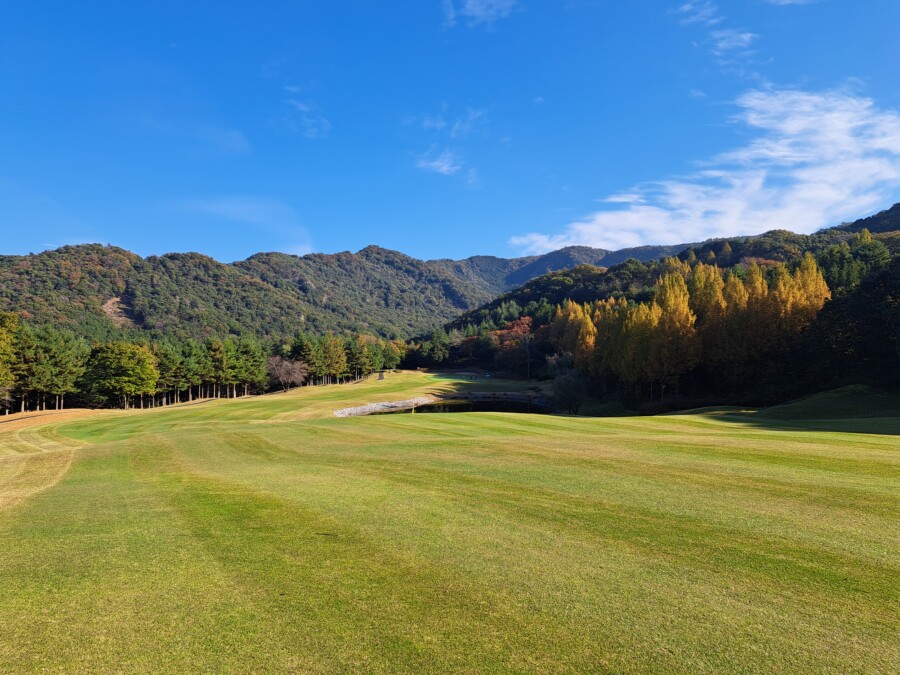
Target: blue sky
441, 128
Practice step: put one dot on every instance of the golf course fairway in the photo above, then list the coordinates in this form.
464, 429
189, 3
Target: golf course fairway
264, 534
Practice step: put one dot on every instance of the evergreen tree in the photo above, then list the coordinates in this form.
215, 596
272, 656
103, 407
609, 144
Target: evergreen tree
312, 353
9, 326
252, 365
121, 371
392, 355
335, 353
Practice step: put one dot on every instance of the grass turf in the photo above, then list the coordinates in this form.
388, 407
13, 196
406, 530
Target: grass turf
263, 534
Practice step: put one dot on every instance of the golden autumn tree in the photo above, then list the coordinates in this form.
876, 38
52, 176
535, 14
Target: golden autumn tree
812, 290
573, 332
609, 318
632, 363
675, 348
707, 301
728, 346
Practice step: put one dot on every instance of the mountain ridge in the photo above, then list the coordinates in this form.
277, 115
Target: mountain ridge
101, 290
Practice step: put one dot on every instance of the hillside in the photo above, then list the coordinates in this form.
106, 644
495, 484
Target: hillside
634, 276
885, 221
103, 289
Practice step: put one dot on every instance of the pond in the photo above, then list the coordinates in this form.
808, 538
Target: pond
475, 406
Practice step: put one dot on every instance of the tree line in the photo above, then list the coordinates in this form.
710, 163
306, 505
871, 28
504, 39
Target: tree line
44, 367
699, 318
715, 327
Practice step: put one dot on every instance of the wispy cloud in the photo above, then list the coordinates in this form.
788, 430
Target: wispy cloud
244, 209
818, 158
268, 214
477, 11
701, 12
226, 141
434, 122
448, 132
468, 122
729, 46
443, 162
306, 119
198, 137
728, 40
457, 124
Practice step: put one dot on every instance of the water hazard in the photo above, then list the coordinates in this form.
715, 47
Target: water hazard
474, 406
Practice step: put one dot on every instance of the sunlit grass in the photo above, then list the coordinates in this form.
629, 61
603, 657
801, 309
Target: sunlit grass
265, 534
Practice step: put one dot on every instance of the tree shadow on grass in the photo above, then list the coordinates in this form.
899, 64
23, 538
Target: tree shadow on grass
853, 409
884, 426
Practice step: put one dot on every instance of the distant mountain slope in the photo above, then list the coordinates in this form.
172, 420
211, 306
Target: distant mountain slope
375, 290
885, 221
101, 290
587, 282
497, 275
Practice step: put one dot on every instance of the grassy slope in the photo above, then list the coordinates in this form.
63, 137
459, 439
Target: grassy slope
265, 535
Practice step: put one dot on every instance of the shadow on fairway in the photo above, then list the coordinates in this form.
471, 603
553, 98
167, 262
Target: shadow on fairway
851, 409
888, 426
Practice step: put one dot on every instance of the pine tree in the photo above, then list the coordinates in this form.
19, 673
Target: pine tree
335, 354
9, 326
122, 371
252, 360
313, 355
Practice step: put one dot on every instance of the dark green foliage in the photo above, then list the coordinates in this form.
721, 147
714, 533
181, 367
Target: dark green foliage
121, 371
570, 390
585, 283
846, 264
106, 293
885, 221
68, 286
48, 364
856, 337
190, 295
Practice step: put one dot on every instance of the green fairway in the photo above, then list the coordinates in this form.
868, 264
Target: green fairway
265, 534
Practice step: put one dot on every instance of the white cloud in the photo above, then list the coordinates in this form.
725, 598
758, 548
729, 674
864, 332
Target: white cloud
434, 123
477, 11
467, 123
728, 40
448, 132
817, 159
306, 119
445, 163
700, 12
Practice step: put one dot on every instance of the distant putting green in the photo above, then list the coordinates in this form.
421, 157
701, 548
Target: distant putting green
266, 535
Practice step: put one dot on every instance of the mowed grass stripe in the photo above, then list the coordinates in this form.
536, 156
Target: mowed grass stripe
266, 535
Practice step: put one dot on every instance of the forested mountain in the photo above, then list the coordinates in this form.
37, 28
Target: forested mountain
885, 221
104, 290
635, 279
497, 275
